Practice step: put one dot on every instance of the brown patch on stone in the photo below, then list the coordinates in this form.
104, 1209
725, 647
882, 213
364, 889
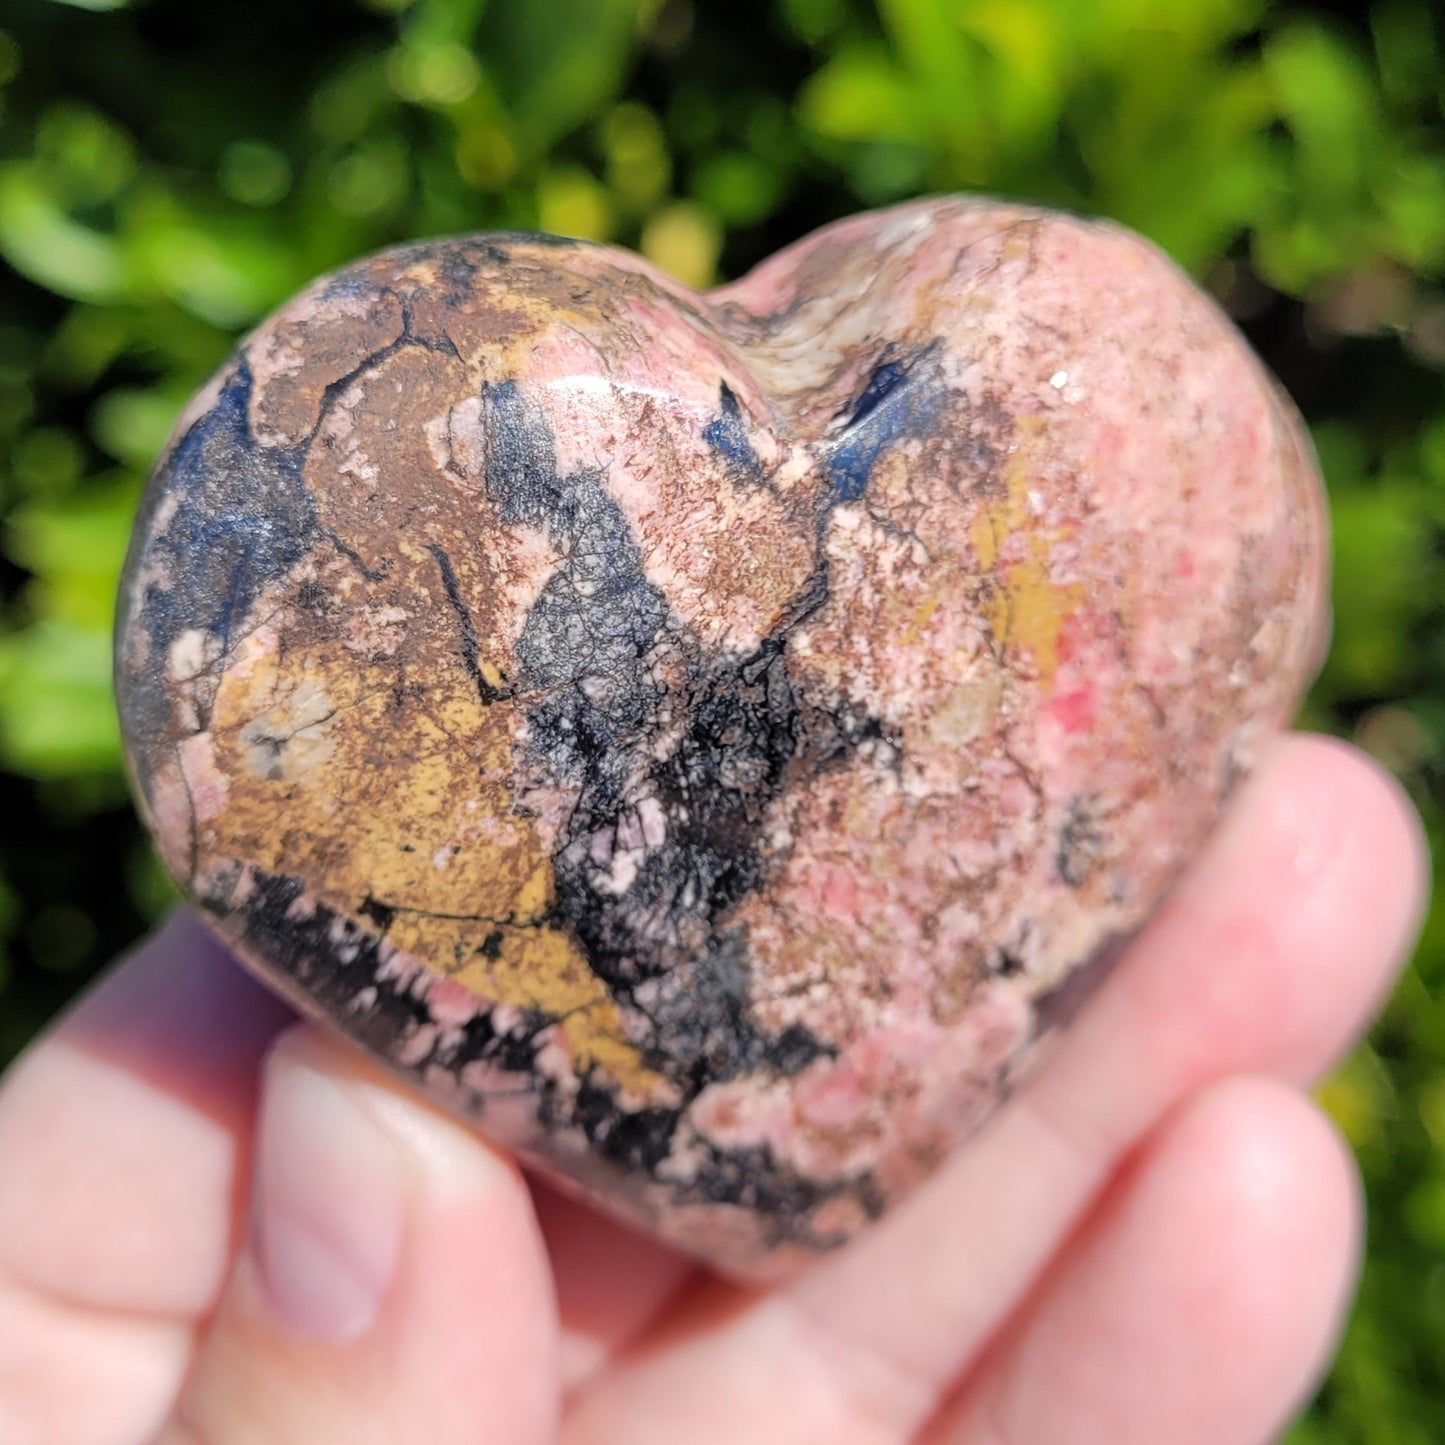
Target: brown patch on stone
311, 346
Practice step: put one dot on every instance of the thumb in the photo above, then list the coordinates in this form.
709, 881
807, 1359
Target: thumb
395, 1285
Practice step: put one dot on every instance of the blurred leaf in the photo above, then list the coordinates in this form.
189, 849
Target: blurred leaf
45, 244
1358, 1097
814, 20
1411, 196
1323, 93
74, 549
570, 202
9, 58
938, 53
556, 64
1425, 1213
684, 240
152, 888
133, 425
370, 180
738, 187
638, 165
86, 342
1034, 64
861, 95
350, 100
85, 158
56, 713
225, 276
48, 461
1380, 563
434, 72
254, 173
1407, 48
486, 156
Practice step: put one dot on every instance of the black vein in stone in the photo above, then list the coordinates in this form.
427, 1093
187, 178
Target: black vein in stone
470, 646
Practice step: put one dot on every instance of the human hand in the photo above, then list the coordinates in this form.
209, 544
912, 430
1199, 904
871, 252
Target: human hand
216, 1229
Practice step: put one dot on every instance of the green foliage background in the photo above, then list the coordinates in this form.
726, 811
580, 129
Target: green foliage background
169, 171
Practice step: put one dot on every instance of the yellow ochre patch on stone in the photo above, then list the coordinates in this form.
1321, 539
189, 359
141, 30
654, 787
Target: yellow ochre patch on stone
1026, 608
317, 751
540, 968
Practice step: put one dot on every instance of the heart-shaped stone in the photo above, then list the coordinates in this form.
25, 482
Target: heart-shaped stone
703, 738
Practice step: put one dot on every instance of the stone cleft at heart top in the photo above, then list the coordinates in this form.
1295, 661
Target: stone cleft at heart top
706, 739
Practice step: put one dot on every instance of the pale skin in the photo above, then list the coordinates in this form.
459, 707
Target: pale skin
220, 1227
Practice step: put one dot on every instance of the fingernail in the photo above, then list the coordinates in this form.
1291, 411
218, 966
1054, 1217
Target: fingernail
330, 1204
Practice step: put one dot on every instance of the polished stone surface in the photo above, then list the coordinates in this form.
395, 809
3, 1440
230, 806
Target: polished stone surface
701, 737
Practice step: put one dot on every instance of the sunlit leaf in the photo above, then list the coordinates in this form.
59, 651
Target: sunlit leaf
56, 712
556, 64
571, 202
862, 95
684, 240
52, 249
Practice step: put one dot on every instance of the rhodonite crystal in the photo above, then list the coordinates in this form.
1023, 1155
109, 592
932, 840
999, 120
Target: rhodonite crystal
706, 738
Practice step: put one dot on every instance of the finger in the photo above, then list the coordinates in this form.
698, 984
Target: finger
1201, 1300
120, 1128
611, 1281
71, 1376
394, 1286
124, 1130
1267, 958
126, 1133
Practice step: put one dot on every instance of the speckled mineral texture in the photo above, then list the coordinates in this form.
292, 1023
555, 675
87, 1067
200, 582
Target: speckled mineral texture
701, 737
